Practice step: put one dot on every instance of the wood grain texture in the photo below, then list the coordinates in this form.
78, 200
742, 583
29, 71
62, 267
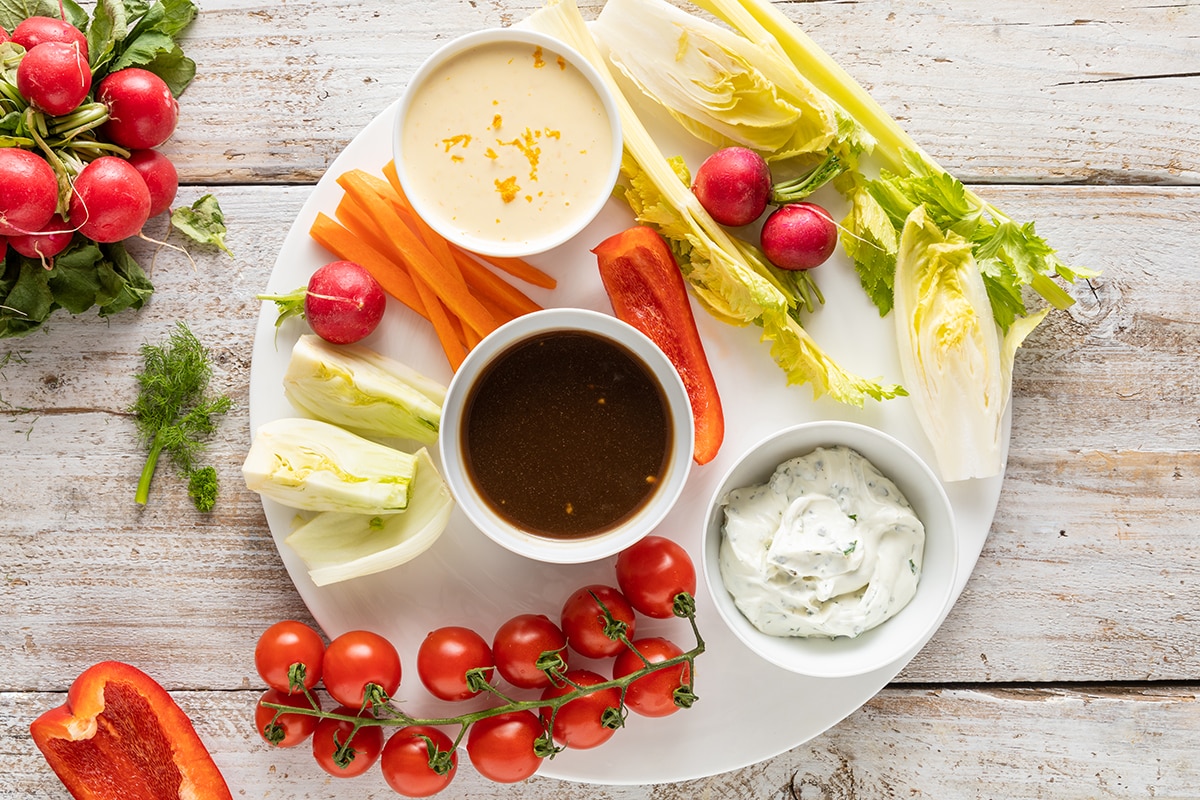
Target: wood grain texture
1068, 668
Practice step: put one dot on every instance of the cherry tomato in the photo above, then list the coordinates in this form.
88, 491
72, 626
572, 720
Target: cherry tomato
652, 571
519, 644
405, 761
286, 643
583, 620
654, 694
502, 747
444, 658
579, 723
289, 729
356, 659
363, 749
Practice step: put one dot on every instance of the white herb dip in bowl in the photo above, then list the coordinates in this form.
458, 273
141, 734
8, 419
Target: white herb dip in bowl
830, 549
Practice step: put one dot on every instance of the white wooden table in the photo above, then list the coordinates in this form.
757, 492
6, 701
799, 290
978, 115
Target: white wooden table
1069, 667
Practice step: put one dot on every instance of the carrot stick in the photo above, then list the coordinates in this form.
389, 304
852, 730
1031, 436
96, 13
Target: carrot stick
335, 238
412, 252
443, 327
488, 284
518, 268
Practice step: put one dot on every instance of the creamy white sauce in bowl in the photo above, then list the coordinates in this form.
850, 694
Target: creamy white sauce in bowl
507, 142
827, 573
827, 547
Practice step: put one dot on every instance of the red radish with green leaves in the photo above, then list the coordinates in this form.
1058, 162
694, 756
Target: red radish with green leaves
110, 201
733, 184
160, 175
51, 240
343, 303
142, 112
799, 236
28, 191
32, 31
54, 77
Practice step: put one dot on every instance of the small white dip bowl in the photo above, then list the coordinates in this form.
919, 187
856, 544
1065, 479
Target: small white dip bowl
607, 541
893, 639
507, 156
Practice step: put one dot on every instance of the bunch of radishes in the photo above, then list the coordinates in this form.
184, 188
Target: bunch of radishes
734, 186
86, 162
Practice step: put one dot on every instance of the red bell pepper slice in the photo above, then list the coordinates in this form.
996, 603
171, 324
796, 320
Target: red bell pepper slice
646, 290
120, 736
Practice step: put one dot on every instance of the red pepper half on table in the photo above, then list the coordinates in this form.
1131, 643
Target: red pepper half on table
120, 736
646, 290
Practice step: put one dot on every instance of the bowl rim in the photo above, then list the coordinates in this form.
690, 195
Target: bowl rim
843, 657
524, 247
591, 548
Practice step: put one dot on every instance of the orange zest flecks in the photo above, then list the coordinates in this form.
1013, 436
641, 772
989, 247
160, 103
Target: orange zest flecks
552, 133
539, 59
497, 121
457, 159
492, 154
527, 144
508, 188
562, 62
461, 140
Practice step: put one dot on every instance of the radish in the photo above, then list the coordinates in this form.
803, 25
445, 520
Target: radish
4, 37
54, 77
28, 191
53, 238
799, 236
160, 175
342, 302
142, 111
33, 31
733, 184
110, 201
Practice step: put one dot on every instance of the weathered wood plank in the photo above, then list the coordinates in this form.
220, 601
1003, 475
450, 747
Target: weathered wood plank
1024, 91
963, 743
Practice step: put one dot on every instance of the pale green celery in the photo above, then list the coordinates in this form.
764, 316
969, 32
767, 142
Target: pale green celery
363, 391
337, 546
956, 363
731, 280
1010, 254
313, 465
714, 82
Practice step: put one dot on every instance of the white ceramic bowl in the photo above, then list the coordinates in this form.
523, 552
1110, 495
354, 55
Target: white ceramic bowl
894, 639
560, 117
611, 540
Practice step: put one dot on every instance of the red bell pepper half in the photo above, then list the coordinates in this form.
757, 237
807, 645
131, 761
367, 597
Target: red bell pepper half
646, 289
120, 736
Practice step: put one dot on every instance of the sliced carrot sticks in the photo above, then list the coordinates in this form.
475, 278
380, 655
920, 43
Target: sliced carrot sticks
455, 290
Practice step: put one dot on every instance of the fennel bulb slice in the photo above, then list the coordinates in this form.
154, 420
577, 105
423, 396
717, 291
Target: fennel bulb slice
363, 391
337, 546
956, 364
316, 466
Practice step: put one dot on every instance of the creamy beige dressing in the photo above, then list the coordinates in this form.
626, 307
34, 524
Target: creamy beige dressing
827, 547
506, 142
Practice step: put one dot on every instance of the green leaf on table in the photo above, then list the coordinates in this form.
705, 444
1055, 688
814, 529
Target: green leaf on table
202, 222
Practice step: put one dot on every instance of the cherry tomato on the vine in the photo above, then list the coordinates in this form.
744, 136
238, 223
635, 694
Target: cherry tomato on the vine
584, 622
356, 659
502, 748
289, 729
286, 643
652, 571
519, 644
444, 657
652, 695
362, 751
580, 723
405, 761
